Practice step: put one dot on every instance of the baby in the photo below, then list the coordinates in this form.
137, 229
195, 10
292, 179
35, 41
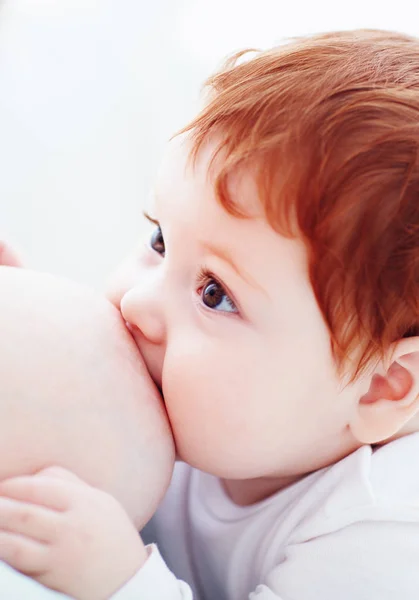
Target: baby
277, 307
77, 409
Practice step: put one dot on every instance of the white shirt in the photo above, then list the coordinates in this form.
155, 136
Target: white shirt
347, 532
15, 586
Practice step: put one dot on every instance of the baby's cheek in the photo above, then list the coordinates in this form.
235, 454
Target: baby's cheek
212, 400
188, 378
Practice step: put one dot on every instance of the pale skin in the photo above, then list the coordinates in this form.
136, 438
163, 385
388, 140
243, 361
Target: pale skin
86, 449
223, 314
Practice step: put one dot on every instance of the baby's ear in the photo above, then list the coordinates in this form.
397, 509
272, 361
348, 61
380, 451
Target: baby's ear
8, 257
392, 399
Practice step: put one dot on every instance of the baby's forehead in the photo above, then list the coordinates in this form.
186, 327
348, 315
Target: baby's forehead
185, 192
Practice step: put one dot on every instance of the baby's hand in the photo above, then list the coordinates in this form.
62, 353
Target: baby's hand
67, 535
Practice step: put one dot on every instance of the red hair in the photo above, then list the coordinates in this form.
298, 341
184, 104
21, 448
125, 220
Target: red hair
331, 123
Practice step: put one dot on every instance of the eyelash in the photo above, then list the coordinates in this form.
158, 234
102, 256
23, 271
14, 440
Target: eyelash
204, 276
150, 219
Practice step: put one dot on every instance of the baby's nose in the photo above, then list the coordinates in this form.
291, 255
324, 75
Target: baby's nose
142, 306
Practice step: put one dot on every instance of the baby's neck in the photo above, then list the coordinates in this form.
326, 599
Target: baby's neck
250, 491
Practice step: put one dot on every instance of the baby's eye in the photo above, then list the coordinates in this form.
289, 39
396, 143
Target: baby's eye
214, 296
157, 241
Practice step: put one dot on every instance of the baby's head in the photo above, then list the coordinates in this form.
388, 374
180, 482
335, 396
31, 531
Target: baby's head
74, 392
277, 303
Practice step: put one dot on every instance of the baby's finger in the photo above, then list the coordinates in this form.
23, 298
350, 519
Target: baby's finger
30, 520
50, 492
23, 554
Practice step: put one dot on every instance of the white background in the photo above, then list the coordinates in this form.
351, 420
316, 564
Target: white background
89, 92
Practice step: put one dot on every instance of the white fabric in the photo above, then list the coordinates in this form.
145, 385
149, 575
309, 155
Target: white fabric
347, 532
15, 586
155, 581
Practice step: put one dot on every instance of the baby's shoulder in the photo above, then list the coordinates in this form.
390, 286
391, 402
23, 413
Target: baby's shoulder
385, 476
355, 529
379, 484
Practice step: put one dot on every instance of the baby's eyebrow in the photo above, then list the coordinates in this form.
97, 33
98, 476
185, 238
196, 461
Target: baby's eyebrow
225, 256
